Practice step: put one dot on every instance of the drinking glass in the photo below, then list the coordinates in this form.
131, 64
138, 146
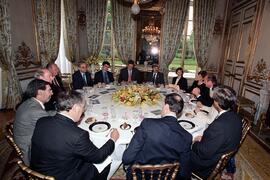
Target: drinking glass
135, 114
105, 113
113, 113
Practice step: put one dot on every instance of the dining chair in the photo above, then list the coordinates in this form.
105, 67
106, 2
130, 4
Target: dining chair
245, 128
217, 172
9, 128
31, 174
164, 171
11, 141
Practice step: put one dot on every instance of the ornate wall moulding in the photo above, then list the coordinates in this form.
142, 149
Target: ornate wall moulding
25, 62
260, 72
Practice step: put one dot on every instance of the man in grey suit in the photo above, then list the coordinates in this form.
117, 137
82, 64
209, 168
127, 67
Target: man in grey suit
38, 92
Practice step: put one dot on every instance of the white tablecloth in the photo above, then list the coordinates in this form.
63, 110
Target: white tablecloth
132, 115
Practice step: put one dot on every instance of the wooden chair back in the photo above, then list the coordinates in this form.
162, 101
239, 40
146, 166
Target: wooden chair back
31, 174
11, 141
9, 128
159, 171
245, 128
216, 173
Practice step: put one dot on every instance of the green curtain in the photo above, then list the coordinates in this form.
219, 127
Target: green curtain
124, 30
95, 25
204, 22
48, 28
11, 86
173, 22
71, 30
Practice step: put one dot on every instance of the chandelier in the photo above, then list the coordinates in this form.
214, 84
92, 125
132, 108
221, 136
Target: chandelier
151, 32
135, 8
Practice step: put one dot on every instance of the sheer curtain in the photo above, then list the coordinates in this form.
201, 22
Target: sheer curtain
173, 23
48, 28
12, 95
124, 30
204, 21
62, 61
95, 24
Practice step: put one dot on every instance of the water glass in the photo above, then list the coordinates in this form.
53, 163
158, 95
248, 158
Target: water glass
113, 113
135, 114
105, 113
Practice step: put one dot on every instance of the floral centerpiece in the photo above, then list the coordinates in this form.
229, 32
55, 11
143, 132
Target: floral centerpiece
136, 95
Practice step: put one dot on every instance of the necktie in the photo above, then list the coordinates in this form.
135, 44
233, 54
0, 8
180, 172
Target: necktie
154, 78
129, 75
106, 78
85, 80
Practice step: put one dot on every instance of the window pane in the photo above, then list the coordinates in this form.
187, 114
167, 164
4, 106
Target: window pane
190, 13
107, 38
190, 28
105, 52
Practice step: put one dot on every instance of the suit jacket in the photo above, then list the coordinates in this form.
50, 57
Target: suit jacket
136, 75
159, 78
222, 135
182, 83
56, 89
63, 150
78, 81
159, 141
99, 77
205, 98
26, 117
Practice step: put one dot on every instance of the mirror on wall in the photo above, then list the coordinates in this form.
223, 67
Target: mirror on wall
148, 37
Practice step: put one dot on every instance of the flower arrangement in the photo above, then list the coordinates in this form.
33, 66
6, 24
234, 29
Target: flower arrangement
136, 95
91, 60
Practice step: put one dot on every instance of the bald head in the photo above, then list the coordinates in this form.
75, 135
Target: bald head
44, 74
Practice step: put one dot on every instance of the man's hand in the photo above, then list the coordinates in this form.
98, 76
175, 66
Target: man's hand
197, 139
196, 91
114, 135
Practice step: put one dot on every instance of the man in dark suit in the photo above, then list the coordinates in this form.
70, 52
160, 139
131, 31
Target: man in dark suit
63, 150
156, 77
203, 96
161, 140
180, 80
37, 93
45, 75
130, 73
81, 77
56, 85
222, 135
104, 76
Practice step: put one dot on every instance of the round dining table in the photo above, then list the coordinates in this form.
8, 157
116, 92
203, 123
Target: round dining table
104, 110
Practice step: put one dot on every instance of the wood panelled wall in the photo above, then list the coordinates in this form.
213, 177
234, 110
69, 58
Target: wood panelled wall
244, 22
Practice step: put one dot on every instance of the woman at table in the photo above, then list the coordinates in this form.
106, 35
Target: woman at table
180, 80
199, 81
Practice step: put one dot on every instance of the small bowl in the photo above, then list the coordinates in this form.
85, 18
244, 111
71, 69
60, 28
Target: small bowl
90, 120
125, 126
189, 115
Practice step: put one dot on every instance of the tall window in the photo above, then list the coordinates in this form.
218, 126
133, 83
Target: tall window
108, 51
185, 54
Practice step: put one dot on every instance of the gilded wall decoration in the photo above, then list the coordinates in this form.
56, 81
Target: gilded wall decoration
260, 72
24, 56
